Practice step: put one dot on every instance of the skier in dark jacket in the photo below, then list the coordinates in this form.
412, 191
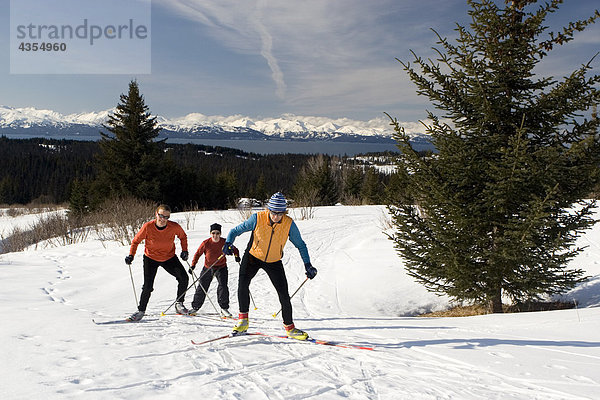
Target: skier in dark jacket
271, 229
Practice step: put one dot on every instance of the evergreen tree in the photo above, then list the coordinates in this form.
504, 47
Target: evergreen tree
497, 209
225, 190
372, 189
130, 161
8, 192
395, 191
78, 202
316, 184
352, 182
260, 190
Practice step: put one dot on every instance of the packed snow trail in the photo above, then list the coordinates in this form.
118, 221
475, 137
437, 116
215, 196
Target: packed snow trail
51, 349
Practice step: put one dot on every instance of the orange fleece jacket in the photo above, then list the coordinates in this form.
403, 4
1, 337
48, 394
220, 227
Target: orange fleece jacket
160, 243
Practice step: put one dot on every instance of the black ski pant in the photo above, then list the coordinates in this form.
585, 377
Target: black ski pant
248, 270
206, 277
174, 267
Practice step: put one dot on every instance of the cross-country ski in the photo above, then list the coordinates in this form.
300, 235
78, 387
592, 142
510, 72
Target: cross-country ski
268, 335
121, 321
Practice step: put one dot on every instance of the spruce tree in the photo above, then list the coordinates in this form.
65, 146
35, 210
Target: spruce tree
352, 181
316, 184
130, 160
372, 189
224, 190
260, 192
496, 210
78, 202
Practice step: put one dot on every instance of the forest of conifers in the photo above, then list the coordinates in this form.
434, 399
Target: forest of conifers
204, 177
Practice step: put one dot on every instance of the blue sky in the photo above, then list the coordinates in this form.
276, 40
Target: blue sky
264, 58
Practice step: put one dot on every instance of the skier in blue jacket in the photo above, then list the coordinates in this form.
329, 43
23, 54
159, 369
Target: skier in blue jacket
271, 229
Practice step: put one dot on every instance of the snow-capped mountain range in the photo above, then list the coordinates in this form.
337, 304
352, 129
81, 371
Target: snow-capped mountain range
34, 121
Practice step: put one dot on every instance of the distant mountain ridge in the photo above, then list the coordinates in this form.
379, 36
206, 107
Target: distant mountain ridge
35, 122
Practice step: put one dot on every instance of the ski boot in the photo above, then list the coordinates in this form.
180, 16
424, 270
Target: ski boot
242, 325
136, 316
180, 308
295, 333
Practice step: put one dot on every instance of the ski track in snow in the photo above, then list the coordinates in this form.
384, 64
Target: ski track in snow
56, 352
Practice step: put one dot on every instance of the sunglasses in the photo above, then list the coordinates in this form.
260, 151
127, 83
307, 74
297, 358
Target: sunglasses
277, 213
163, 216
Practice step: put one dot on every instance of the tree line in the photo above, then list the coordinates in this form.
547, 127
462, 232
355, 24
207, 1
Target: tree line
42, 170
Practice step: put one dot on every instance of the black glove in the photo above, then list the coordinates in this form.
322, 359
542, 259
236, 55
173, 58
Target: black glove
228, 249
184, 255
237, 259
128, 259
191, 270
311, 271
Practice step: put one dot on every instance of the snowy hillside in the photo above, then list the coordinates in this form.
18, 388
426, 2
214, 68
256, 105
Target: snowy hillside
51, 349
284, 127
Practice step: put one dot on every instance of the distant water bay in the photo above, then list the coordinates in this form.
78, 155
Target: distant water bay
265, 146
296, 147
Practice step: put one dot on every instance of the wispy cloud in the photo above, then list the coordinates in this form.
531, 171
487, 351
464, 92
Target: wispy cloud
267, 49
239, 26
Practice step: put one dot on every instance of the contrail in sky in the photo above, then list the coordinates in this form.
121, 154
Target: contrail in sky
267, 50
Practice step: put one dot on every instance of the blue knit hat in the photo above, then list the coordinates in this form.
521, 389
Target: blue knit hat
277, 203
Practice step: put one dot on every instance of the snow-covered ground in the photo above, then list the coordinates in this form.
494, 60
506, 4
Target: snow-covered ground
25, 221
51, 349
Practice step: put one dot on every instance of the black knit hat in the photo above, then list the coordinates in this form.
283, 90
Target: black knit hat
215, 227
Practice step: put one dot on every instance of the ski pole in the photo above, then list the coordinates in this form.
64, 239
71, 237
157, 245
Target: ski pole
252, 298
206, 294
193, 276
133, 284
302, 284
162, 314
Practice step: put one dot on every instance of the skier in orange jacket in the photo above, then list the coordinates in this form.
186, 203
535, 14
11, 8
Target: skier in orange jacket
159, 235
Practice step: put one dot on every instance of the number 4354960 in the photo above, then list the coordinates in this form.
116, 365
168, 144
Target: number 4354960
44, 46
